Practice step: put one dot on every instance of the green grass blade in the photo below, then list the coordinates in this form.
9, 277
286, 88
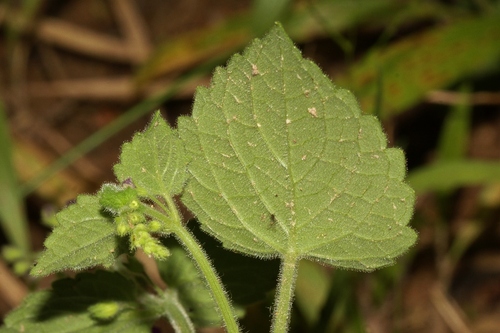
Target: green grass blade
455, 133
445, 176
12, 215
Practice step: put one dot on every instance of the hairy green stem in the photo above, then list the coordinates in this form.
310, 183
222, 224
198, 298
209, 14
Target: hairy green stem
201, 259
285, 292
213, 281
172, 208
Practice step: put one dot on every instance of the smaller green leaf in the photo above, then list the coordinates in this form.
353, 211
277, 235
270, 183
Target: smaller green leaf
68, 307
84, 237
154, 160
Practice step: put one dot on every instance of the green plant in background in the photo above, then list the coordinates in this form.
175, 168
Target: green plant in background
12, 219
276, 163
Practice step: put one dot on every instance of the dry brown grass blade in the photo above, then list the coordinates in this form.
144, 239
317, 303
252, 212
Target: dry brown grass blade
104, 88
451, 97
133, 28
449, 311
118, 89
84, 41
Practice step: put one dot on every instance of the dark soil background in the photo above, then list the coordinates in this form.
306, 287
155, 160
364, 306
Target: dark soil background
70, 68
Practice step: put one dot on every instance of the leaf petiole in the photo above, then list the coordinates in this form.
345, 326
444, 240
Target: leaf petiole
213, 281
285, 292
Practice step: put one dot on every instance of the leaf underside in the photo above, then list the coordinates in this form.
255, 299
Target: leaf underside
284, 162
84, 237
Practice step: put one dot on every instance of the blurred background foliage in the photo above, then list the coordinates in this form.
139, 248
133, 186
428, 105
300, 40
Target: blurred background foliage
78, 77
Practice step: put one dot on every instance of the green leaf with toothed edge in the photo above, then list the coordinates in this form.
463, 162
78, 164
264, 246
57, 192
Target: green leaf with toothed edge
284, 162
84, 237
154, 159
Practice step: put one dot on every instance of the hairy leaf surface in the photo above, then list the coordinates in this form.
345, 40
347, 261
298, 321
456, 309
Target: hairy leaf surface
154, 159
64, 308
84, 237
284, 162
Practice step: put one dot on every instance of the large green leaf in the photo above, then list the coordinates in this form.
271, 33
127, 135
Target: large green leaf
283, 163
84, 237
64, 309
154, 159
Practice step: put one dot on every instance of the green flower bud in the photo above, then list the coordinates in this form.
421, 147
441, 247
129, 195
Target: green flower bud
134, 205
135, 218
122, 226
140, 236
156, 250
122, 230
155, 226
104, 311
140, 228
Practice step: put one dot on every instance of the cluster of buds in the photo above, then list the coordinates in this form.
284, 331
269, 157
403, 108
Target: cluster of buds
124, 204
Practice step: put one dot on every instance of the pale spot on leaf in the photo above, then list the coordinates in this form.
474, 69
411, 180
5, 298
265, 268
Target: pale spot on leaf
313, 112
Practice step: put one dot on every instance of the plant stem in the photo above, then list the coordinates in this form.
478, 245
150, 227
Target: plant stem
172, 208
196, 251
211, 277
285, 291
